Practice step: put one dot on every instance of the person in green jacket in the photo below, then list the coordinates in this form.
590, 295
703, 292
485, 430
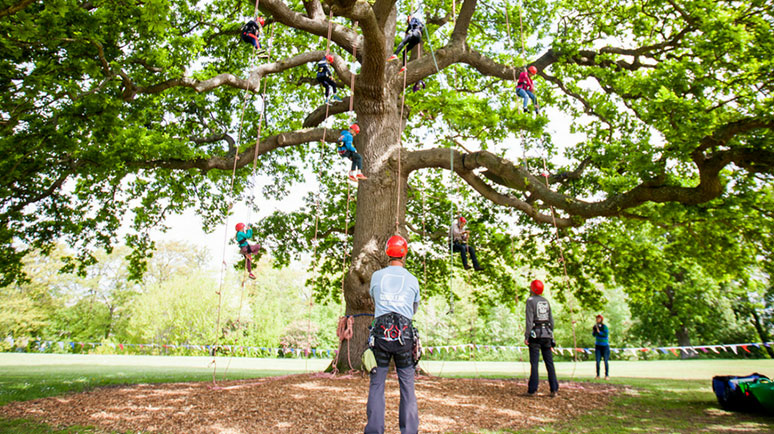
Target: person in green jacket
244, 233
602, 345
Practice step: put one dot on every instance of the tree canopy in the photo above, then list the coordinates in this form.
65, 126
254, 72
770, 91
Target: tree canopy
134, 108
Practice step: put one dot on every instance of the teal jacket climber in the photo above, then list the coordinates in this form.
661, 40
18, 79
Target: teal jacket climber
243, 236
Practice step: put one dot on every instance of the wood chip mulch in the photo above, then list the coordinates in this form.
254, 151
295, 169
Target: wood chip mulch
310, 403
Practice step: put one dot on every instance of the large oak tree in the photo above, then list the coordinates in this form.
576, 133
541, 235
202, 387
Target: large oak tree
109, 107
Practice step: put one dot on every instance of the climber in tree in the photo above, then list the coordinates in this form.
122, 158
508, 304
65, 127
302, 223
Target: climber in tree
411, 39
325, 78
347, 150
525, 88
458, 236
251, 32
245, 248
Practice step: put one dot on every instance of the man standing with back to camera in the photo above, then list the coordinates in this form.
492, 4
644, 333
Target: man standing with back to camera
395, 293
539, 337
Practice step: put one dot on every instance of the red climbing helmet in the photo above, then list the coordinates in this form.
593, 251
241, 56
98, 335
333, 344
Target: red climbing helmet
240, 227
329, 58
536, 287
261, 21
600, 317
396, 247
463, 220
532, 70
356, 129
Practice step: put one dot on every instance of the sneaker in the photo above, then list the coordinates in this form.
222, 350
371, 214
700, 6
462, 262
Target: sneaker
393, 57
401, 70
479, 268
361, 176
467, 267
531, 394
606, 378
554, 393
327, 101
352, 177
336, 98
251, 275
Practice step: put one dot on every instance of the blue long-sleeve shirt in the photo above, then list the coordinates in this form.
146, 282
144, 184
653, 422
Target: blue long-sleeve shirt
345, 142
242, 237
601, 335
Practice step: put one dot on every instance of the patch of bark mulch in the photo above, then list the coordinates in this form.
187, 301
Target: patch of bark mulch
310, 403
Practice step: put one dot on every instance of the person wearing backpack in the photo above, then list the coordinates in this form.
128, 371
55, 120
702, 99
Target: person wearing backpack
395, 295
325, 78
410, 40
347, 150
539, 337
602, 344
244, 233
525, 88
251, 32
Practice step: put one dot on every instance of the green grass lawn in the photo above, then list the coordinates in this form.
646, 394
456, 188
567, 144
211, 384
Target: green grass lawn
660, 396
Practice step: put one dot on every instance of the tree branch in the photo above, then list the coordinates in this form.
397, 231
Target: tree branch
656, 190
266, 145
15, 8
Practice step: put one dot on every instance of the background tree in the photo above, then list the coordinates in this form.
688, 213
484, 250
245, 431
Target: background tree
109, 108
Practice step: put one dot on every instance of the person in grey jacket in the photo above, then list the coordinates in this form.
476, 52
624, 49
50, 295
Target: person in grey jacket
539, 337
395, 293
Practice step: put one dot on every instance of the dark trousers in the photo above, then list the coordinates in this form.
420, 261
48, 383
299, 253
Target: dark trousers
536, 347
464, 249
251, 39
246, 251
409, 41
600, 352
328, 84
408, 414
357, 160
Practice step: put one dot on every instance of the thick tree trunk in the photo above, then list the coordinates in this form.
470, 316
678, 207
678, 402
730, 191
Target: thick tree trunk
761, 330
377, 202
684, 340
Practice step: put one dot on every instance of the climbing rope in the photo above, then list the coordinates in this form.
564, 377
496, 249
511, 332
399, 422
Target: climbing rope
353, 73
315, 241
564, 268
219, 292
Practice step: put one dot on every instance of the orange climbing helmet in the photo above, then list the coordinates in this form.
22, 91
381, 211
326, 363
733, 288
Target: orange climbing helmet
536, 287
532, 70
356, 129
329, 58
240, 227
396, 247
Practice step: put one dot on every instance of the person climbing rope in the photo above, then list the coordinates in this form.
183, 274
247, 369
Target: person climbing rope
347, 150
251, 32
539, 337
325, 78
245, 248
395, 293
525, 88
420, 85
459, 240
410, 40
602, 344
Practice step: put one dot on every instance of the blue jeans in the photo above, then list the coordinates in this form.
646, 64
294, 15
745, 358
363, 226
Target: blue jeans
602, 351
526, 96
